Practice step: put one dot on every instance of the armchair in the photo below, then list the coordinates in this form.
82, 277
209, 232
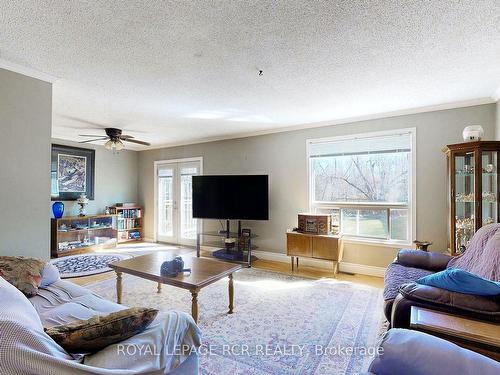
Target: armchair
401, 292
422, 259
417, 353
413, 294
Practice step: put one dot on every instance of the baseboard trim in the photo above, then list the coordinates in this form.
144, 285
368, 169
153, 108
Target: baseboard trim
362, 269
343, 266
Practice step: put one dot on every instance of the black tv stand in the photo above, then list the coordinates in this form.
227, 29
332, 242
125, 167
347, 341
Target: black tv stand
227, 232
238, 255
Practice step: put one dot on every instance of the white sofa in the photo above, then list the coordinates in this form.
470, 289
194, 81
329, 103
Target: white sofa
26, 349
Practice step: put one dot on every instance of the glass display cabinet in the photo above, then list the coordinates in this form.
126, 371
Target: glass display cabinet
82, 234
473, 190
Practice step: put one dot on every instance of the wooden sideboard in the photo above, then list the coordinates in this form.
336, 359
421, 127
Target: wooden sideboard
317, 246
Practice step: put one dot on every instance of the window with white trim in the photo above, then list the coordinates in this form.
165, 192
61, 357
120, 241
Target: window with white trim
365, 182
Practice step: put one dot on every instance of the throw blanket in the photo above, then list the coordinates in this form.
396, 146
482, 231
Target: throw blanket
482, 257
26, 349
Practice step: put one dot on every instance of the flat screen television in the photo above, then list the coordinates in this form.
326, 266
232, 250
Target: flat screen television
231, 197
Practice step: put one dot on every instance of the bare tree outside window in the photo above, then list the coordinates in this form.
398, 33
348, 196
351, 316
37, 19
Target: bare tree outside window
380, 177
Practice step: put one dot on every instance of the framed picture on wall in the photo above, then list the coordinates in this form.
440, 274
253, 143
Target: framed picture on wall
71, 172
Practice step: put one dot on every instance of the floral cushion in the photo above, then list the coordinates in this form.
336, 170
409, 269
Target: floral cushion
24, 273
94, 334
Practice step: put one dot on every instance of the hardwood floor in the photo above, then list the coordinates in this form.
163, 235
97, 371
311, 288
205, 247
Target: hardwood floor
318, 273
303, 271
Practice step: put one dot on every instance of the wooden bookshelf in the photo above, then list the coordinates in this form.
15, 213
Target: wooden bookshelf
72, 235
129, 222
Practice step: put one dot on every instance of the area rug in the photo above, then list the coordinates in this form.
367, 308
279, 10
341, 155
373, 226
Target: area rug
281, 324
86, 264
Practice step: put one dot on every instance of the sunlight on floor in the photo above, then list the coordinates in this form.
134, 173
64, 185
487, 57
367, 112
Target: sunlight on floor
272, 285
140, 247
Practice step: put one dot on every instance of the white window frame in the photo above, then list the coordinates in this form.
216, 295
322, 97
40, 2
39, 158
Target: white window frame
412, 212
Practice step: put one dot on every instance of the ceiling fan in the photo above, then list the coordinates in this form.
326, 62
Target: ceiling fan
115, 139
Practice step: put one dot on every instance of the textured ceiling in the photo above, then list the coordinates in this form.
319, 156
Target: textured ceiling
181, 71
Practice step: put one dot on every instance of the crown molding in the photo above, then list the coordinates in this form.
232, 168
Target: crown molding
496, 95
403, 112
30, 72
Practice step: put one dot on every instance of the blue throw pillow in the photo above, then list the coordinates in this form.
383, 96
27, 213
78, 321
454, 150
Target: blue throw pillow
457, 280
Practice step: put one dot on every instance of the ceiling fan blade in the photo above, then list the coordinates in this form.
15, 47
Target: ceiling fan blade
90, 135
80, 120
126, 137
138, 142
92, 140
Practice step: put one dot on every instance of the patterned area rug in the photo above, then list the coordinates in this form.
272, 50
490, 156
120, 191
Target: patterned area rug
86, 264
281, 324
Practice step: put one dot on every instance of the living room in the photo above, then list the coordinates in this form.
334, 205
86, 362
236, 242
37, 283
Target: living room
373, 128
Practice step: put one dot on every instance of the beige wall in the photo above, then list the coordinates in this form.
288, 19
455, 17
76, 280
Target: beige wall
283, 157
115, 178
25, 123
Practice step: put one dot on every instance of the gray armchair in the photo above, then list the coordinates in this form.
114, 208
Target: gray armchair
401, 292
409, 266
413, 294
409, 352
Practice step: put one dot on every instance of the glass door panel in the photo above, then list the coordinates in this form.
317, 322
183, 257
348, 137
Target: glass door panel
465, 202
165, 205
188, 225
174, 208
489, 187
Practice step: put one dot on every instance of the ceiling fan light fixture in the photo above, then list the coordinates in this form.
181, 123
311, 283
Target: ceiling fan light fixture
109, 145
119, 145
114, 144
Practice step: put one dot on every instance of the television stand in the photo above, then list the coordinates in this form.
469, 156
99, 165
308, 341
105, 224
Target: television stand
227, 232
241, 253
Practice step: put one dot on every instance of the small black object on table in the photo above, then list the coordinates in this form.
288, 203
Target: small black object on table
422, 245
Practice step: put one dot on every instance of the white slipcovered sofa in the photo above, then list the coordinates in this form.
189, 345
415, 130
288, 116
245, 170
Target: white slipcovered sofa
26, 349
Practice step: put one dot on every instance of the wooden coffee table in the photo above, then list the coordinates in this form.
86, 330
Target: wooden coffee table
203, 272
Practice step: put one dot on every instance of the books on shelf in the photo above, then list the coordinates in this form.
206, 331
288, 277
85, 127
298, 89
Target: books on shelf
125, 224
129, 221
127, 213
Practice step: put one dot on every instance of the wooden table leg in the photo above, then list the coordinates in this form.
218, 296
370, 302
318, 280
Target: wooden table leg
231, 294
119, 287
194, 305
158, 290
292, 262
297, 262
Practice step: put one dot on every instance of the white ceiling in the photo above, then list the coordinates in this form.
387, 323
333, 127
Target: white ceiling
175, 72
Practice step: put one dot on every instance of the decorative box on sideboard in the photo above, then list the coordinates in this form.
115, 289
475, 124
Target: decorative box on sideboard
314, 223
82, 234
316, 246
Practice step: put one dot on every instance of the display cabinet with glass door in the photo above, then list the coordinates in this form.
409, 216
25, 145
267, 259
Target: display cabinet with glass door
71, 235
473, 190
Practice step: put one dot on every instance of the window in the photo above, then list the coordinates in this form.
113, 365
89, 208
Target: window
365, 182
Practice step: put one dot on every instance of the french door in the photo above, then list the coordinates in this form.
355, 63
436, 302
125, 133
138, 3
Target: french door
174, 205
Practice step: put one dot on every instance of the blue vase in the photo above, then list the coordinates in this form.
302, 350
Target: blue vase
58, 209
